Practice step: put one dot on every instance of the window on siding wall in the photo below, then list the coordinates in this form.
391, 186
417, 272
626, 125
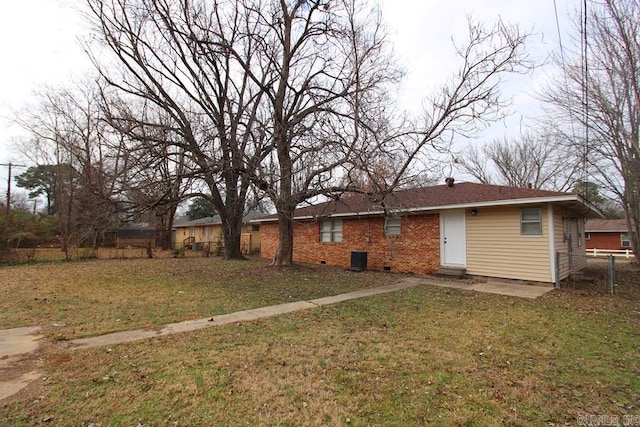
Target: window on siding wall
624, 240
331, 230
531, 221
392, 226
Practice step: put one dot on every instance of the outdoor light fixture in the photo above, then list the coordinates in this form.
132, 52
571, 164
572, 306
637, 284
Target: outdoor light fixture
474, 212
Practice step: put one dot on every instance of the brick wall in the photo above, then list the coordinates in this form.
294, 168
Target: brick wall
268, 239
415, 250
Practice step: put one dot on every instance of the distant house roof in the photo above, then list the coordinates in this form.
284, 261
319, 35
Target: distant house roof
215, 220
208, 220
462, 195
137, 226
606, 226
136, 230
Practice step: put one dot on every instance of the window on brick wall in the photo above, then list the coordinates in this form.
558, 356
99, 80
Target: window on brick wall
331, 230
392, 226
531, 221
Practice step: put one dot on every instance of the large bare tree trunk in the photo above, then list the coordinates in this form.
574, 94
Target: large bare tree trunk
232, 232
284, 254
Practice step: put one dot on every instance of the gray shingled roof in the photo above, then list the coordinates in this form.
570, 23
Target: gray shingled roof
435, 197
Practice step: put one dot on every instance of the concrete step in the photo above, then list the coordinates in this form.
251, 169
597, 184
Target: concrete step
445, 271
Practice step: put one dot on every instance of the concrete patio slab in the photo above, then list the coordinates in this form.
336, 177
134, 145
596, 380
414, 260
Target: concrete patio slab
15, 346
17, 341
10, 387
511, 289
492, 286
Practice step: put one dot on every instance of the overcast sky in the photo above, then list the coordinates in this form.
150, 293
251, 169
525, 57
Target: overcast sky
38, 41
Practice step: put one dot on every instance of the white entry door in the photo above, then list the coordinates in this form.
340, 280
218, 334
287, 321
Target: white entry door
453, 242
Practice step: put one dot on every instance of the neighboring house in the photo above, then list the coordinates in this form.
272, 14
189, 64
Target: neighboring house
477, 229
133, 235
206, 234
607, 234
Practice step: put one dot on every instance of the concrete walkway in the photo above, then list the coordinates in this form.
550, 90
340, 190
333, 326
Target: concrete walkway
238, 316
509, 289
16, 344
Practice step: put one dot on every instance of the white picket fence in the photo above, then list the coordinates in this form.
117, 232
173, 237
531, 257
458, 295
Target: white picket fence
621, 253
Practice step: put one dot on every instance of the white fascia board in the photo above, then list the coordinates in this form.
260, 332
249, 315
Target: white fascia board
510, 202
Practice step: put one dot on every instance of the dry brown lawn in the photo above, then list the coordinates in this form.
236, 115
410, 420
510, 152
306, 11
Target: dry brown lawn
421, 356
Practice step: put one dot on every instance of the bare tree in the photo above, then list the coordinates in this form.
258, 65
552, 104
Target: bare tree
328, 98
291, 95
154, 175
471, 98
67, 126
178, 57
539, 161
599, 91
321, 67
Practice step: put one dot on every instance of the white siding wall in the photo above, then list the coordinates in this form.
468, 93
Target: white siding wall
495, 247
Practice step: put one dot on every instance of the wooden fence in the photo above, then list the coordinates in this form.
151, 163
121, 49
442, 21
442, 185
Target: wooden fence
621, 253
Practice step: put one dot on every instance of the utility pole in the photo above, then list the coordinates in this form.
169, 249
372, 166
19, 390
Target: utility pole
10, 165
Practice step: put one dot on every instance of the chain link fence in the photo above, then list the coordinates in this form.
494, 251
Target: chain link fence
576, 266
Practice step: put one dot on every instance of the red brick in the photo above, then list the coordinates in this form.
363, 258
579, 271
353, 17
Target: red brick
415, 250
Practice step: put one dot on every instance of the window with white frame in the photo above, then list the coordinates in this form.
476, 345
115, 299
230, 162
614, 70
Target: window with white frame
624, 240
392, 226
531, 221
331, 230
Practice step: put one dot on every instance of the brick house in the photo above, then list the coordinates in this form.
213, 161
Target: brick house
607, 234
477, 229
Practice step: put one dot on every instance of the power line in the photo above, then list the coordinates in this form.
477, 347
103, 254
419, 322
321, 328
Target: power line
564, 71
585, 89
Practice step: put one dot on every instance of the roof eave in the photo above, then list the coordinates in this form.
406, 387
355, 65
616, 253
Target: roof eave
534, 200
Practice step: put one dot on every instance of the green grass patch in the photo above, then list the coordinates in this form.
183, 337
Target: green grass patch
421, 356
